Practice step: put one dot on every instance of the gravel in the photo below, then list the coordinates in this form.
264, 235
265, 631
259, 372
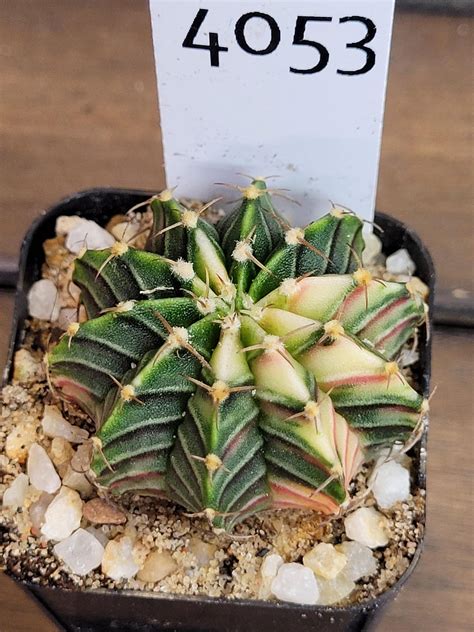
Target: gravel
367, 526
63, 515
81, 552
43, 300
87, 234
391, 484
242, 565
296, 583
41, 470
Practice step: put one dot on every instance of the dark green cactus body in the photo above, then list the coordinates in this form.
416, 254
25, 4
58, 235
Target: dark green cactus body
107, 348
328, 245
238, 378
217, 464
106, 279
256, 220
191, 238
224, 437
139, 434
166, 212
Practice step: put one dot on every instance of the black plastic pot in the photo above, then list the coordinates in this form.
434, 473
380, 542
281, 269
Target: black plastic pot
100, 610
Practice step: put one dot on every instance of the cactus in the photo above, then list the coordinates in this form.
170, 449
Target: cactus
240, 367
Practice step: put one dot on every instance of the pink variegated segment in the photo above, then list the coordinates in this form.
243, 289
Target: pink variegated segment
345, 366
77, 393
345, 441
311, 449
317, 298
288, 494
383, 313
280, 378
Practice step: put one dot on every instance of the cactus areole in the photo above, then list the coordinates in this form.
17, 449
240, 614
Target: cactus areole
238, 367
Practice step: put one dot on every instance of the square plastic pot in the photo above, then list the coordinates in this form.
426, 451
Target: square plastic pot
100, 610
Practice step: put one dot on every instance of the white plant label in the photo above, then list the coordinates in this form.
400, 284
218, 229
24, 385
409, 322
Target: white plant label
288, 88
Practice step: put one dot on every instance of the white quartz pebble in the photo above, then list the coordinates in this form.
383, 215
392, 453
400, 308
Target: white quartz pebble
65, 223
394, 453
295, 583
41, 470
43, 300
77, 481
373, 248
81, 552
367, 526
202, 551
361, 561
334, 590
119, 560
37, 511
268, 572
99, 534
126, 231
14, 496
271, 565
400, 262
67, 315
325, 560
87, 234
157, 566
54, 425
391, 484
63, 515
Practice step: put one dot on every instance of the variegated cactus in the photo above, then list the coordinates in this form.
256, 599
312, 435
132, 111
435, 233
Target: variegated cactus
238, 368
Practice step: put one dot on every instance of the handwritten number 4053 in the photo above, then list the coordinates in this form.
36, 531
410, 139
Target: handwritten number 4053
299, 39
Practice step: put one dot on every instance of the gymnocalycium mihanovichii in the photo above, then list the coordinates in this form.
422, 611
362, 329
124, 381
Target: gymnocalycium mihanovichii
239, 367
